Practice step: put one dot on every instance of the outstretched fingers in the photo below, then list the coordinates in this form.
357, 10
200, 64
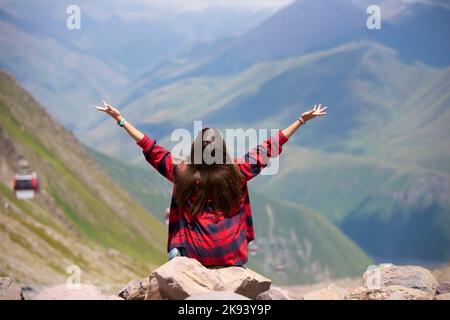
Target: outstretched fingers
105, 108
318, 110
99, 108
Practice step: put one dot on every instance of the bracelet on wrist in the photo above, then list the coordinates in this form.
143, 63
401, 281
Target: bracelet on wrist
301, 120
121, 122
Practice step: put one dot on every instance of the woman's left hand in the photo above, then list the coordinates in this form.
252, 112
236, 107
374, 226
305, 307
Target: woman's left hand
317, 111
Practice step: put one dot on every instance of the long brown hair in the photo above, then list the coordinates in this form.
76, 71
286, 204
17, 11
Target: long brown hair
209, 175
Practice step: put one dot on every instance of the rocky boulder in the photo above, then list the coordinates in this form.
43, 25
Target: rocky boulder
332, 292
443, 288
393, 292
445, 296
9, 289
72, 292
135, 289
275, 293
413, 277
141, 289
183, 277
153, 292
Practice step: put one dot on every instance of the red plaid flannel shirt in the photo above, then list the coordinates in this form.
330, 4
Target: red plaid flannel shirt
214, 239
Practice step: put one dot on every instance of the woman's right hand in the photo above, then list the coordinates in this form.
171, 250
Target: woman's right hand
113, 112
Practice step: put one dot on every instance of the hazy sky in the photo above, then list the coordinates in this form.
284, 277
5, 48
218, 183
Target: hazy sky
146, 8
132, 9
191, 5
135, 9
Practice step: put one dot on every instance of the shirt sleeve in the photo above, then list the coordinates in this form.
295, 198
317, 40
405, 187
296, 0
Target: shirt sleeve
159, 157
258, 158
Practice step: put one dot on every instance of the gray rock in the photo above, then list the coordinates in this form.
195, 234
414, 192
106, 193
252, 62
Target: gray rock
332, 292
275, 293
444, 296
29, 292
217, 295
135, 289
443, 288
394, 292
183, 277
9, 289
153, 292
413, 277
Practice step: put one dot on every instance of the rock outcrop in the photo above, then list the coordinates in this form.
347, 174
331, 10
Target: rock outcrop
153, 292
391, 282
275, 293
135, 289
445, 296
413, 277
141, 289
9, 289
443, 288
331, 292
387, 282
183, 277
393, 292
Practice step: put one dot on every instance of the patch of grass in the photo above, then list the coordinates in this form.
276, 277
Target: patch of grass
150, 189
30, 209
19, 239
55, 244
57, 268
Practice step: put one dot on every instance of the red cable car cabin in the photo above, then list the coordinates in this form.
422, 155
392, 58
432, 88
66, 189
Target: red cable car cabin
26, 186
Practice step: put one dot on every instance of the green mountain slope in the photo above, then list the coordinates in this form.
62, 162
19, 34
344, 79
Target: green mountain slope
391, 210
307, 246
152, 191
80, 216
295, 244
